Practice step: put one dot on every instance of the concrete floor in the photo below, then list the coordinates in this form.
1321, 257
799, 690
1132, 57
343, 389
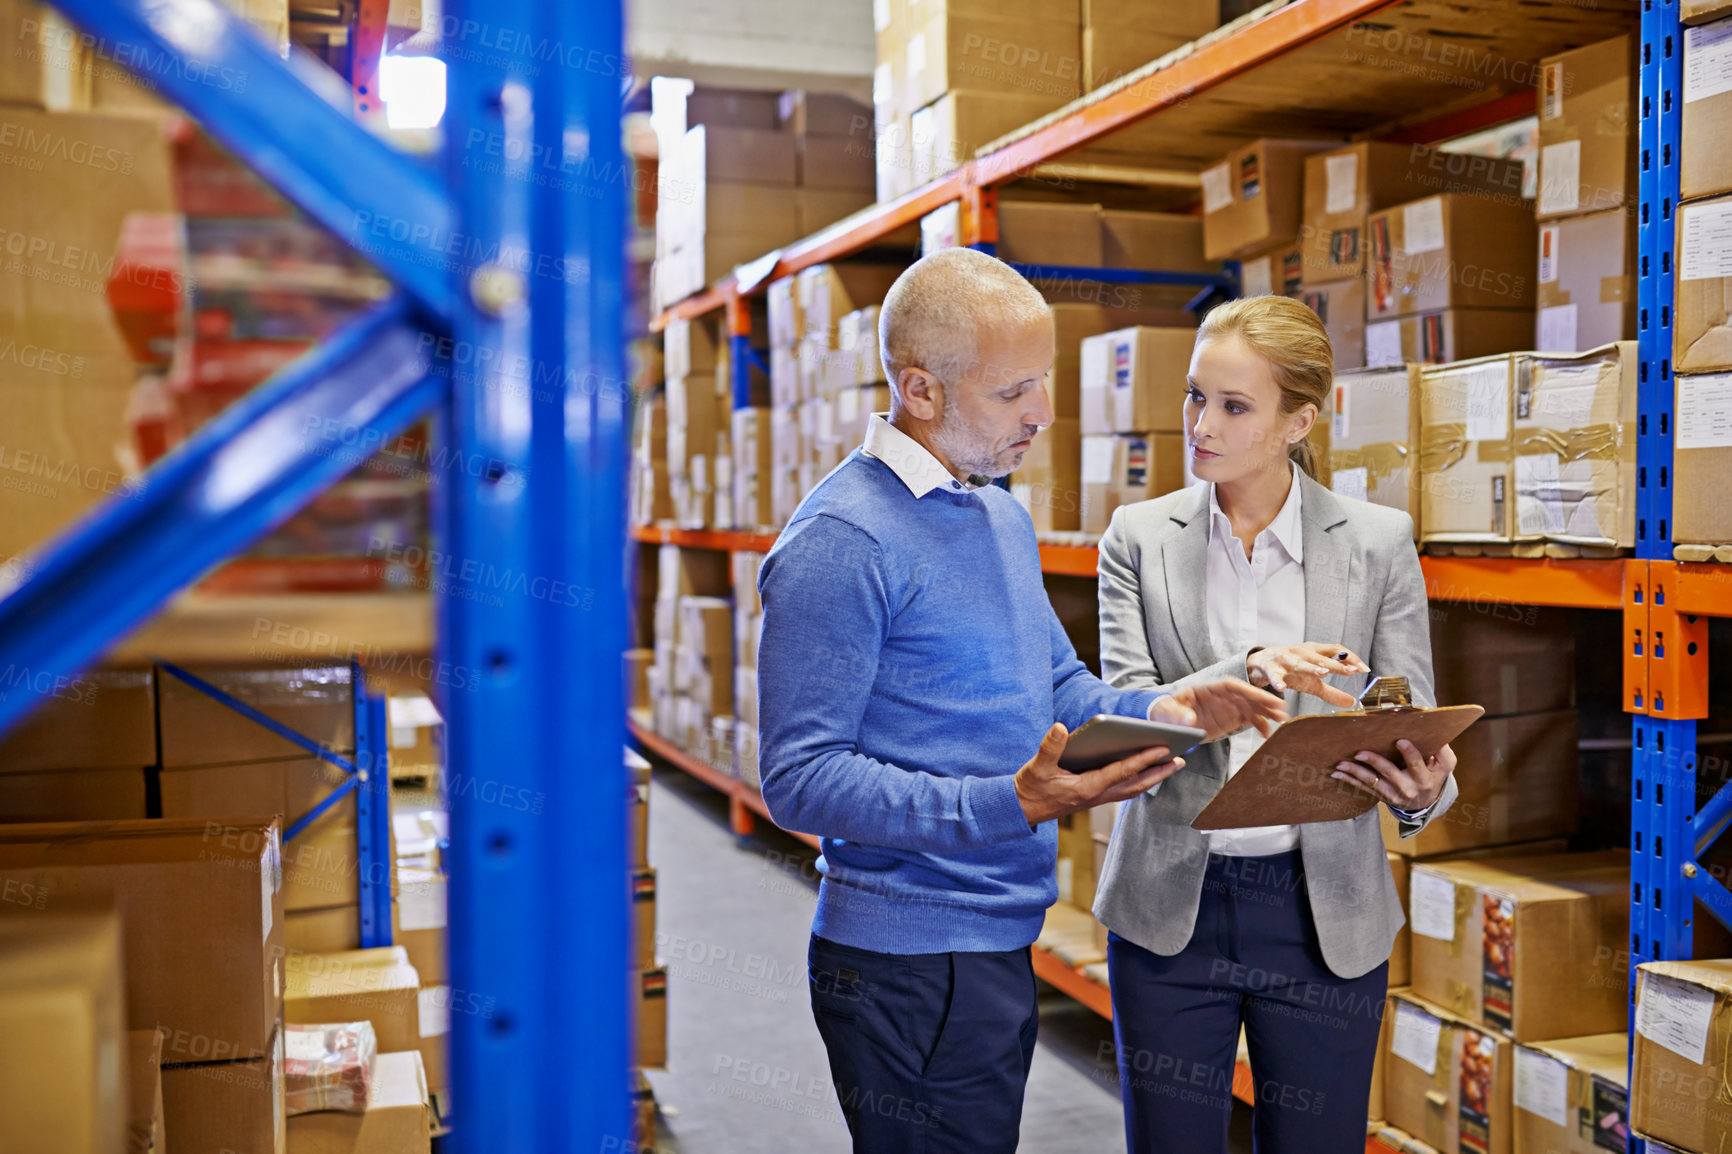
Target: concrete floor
732, 922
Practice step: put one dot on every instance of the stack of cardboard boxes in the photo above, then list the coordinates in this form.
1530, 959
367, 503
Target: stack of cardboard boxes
699, 403
649, 976
691, 681
747, 173
1118, 37
1131, 393
748, 628
1701, 329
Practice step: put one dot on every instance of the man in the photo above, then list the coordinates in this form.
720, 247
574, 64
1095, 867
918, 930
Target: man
910, 663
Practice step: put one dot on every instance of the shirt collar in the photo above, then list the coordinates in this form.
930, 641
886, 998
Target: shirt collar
1286, 528
909, 459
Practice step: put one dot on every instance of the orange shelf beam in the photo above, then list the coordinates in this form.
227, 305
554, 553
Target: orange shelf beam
1523, 581
724, 539
1069, 560
1049, 968
1704, 589
745, 803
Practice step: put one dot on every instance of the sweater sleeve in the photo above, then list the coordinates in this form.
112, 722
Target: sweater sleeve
827, 613
1078, 695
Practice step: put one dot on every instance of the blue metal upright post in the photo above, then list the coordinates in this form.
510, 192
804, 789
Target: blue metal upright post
372, 810
534, 625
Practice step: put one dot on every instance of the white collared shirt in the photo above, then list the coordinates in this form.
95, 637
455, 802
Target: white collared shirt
1258, 600
911, 461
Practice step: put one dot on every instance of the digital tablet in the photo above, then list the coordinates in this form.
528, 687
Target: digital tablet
1104, 739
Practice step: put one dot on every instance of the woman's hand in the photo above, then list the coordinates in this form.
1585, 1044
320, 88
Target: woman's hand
1303, 667
1220, 708
1416, 785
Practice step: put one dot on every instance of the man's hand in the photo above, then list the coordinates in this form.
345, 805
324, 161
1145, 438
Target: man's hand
1416, 786
1046, 791
1220, 708
1303, 667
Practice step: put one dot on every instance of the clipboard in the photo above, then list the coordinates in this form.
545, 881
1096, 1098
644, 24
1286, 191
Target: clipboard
1287, 781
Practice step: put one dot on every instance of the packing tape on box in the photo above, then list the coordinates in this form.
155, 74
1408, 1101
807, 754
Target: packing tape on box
1616, 289
1498, 803
1444, 446
1379, 460
1587, 443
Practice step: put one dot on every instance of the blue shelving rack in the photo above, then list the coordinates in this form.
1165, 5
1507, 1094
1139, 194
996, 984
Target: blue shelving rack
518, 272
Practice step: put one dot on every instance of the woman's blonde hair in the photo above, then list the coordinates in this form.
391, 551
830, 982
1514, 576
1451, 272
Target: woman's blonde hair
1288, 335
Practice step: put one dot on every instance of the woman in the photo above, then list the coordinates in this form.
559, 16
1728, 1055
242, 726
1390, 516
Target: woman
1259, 572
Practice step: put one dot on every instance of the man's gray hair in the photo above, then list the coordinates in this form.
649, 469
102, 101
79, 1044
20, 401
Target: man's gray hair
931, 315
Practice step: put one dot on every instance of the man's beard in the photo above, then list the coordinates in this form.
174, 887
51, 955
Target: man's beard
965, 448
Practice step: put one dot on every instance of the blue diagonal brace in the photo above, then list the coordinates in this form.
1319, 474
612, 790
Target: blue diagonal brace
325, 803
1711, 893
321, 752
213, 64
1709, 818
238, 477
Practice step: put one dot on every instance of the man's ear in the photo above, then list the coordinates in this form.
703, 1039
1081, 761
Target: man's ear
921, 394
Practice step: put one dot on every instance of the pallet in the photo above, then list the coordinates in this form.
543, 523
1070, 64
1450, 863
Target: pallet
1528, 550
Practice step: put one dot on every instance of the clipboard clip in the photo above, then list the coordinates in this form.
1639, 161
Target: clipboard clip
1386, 694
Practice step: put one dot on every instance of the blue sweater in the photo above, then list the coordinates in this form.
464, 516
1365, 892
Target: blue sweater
911, 662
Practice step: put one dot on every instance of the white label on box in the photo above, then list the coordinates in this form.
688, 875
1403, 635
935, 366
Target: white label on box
1566, 399
1560, 176
1415, 1037
412, 710
1431, 901
421, 906
881, 81
1542, 1086
434, 1003
1706, 242
1092, 363
1552, 91
1382, 344
1217, 188
1558, 329
1675, 1015
1488, 402
304, 1043
1339, 421
1343, 182
1539, 498
1097, 460
1549, 236
848, 407
1704, 411
1259, 280
880, 15
916, 54
1422, 225
1707, 60
1355, 483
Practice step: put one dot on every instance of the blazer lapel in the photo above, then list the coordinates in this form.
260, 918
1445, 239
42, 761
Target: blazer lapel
1184, 562
1328, 563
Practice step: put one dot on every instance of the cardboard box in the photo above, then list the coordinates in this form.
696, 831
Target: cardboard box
688, 347
1679, 1062
1374, 437
323, 931
73, 795
714, 153
419, 922
649, 1001
782, 307
1587, 138
1575, 448
226, 1107
48, 66
643, 903
435, 1026
144, 1114
1048, 483
1445, 1081
828, 292
1437, 338
1586, 282
1340, 305
1252, 199
1344, 185
838, 163
733, 108
101, 719
62, 1070
822, 114
1274, 273
698, 572
1034, 232
1508, 659
1164, 240
1704, 168
818, 208
316, 701
320, 866
201, 910
375, 985
1110, 52
993, 52
1702, 460
1701, 329
1528, 945
1450, 251
1703, 11
1466, 415
1133, 380
1119, 469
397, 1119
1570, 1092
1518, 780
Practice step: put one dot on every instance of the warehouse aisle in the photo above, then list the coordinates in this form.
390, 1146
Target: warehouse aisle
747, 1072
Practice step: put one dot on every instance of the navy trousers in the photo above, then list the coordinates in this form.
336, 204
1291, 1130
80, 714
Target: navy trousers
1253, 960
929, 1053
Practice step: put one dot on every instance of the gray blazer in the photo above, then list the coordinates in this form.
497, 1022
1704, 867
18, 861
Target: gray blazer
1364, 589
